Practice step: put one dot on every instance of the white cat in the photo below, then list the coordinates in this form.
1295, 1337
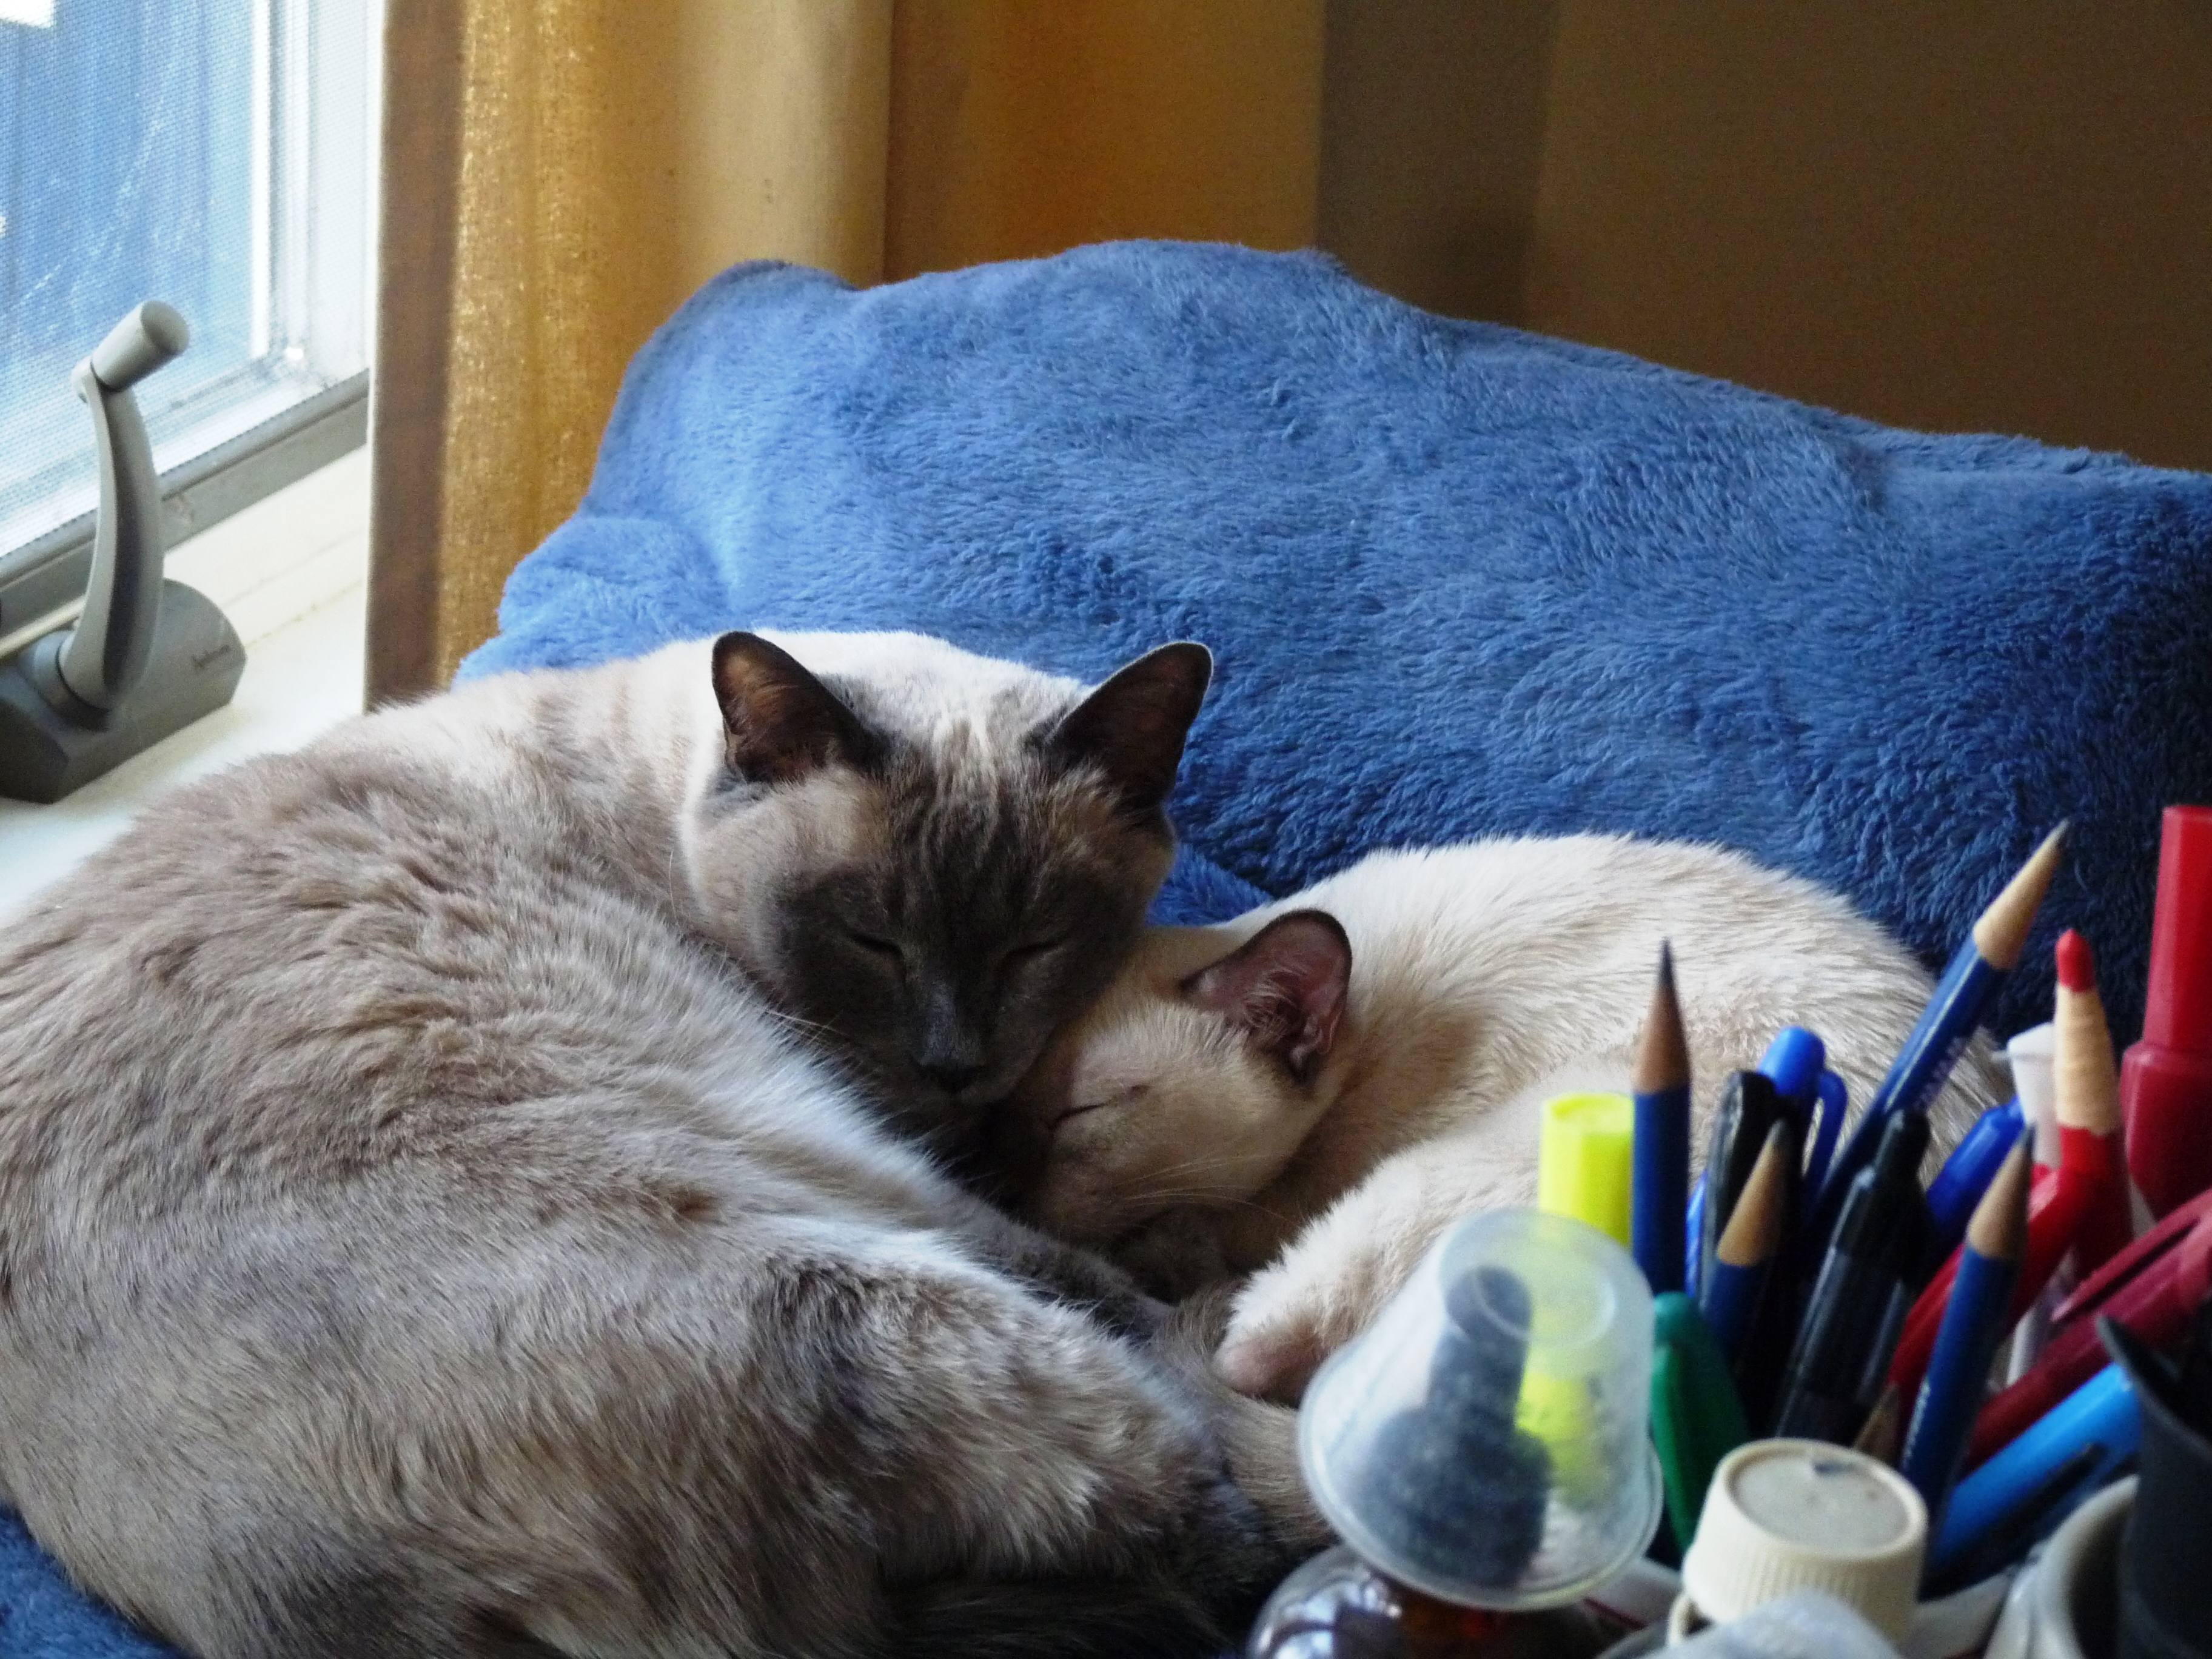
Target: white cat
1349, 1070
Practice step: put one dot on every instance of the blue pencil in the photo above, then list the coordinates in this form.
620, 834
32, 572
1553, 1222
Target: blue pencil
1963, 999
1659, 1204
1974, 1322
1967, 1174
1729, 1301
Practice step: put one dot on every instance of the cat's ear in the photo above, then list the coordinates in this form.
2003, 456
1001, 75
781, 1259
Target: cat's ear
1132, 727
780, 723
1285, 988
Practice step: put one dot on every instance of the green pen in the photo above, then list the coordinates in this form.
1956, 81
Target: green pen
1696, 1419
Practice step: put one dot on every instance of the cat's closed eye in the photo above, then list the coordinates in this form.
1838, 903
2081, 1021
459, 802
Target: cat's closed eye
1035, 949
874, 944
1120, 1097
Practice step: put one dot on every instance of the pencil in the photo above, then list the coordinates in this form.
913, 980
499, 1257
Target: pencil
1749, 1107
1881, 1434
1963, 997
2090, 1105
2085, 1087
1974, 1322
1661, 1083
1755, 1230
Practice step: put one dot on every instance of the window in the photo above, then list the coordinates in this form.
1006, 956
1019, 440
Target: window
215, 154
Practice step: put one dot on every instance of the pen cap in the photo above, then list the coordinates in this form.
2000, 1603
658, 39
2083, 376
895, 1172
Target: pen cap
2033, 1080
1793, 1515
2178, 1005
1484, 1441
1585, 1163
1795, 1061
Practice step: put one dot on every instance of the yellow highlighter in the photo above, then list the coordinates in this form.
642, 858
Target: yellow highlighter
1584, 1165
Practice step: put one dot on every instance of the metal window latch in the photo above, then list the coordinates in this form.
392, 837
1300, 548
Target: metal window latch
148, 657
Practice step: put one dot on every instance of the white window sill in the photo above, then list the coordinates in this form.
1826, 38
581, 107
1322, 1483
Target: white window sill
291, 571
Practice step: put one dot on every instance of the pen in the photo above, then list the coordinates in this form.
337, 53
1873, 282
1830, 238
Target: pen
1695, 1416
2037, 1512
2102, 1411
1797, 1060
1660, 1085
1879, 1231
1974, 1322
2150, 1289
1963, 997
2084, 1083
1967, 1174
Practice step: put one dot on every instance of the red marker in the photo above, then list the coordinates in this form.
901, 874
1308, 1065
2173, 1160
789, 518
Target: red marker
2167, 1082
2153, 1288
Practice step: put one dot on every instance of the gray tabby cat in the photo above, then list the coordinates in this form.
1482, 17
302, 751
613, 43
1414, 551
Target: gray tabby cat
429, 1224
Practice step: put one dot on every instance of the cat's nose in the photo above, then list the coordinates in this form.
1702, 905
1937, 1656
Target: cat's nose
951, 1078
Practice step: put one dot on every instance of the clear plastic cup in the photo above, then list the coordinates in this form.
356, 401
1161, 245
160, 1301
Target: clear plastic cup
1484, 1441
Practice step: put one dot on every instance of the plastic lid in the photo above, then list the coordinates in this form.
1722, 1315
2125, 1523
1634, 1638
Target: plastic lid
1792, 1515
2033, 1081
2178, 1005
1585, 1162
1484, 1442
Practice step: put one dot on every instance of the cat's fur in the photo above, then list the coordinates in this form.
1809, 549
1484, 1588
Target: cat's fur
429, 1228
1319, 1088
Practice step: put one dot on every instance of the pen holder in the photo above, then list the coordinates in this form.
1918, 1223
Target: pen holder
1952, 1626
2067, 1604
2165, 1612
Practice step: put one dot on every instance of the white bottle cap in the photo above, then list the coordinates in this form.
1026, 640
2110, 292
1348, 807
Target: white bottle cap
1791, 1515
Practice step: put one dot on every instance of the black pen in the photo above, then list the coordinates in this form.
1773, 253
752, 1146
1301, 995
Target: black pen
1878, 1236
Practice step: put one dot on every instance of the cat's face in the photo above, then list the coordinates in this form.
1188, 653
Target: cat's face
934, 859
1190, 1082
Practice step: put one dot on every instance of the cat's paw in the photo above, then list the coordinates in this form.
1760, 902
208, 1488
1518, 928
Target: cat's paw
1270, 1364
1292, 1316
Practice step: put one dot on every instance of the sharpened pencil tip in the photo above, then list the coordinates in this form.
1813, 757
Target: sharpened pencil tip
2077, 965
1755, 1225
1662, 1053
2001, 935
1998, 1231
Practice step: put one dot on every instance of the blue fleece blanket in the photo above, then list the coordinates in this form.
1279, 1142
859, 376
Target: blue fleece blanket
1459, 580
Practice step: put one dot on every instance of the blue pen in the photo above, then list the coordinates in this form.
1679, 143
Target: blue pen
1835, 1106
1975, 1319
1659, 1203
1794, 1060
1797, 1062
1967, 1174
2101, 1412
1963, 999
